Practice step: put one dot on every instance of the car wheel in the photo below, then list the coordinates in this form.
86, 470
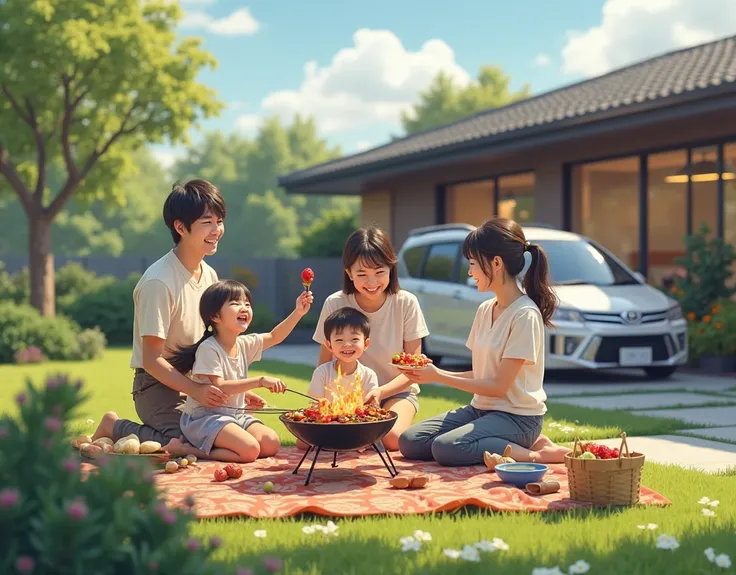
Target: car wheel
436, 359
660, 372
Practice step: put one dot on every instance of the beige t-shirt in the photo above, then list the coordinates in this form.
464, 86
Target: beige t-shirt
166, 303
400, 319
212, 359
323, 380
517, 334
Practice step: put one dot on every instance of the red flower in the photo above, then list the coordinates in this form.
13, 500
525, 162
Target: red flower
193, 544
9, 497
53, 424
273, 564
77, 509
25, 564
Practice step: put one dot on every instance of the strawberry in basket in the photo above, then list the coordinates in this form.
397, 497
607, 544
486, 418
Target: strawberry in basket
594, 451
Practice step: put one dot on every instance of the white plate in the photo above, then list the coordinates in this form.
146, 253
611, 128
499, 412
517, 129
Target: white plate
409, 367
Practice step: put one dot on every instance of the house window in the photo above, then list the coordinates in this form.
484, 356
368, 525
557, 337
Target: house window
470, 203
729, 195
516, 197
605, 205
705, 189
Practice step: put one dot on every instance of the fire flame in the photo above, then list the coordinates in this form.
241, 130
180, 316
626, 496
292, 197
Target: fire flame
345, 400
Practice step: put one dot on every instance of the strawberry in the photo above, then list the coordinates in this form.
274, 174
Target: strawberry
307, 276
220, 474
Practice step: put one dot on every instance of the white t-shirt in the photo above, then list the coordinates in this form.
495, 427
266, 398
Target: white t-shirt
400, 319
323, 380
518, 333
212, 359
166, 305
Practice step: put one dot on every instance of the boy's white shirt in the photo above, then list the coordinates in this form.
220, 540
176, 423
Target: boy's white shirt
323, 380
166, 305
518, 333
212, 359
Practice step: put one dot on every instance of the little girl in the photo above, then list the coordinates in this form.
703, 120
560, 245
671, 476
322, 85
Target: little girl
221, 358
371, 285
507, 343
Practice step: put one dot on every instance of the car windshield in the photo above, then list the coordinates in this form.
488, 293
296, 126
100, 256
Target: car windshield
583, 263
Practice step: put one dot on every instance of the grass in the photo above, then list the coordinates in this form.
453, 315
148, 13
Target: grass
608, 540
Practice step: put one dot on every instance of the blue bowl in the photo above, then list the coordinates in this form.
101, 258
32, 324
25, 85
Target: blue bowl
520, 474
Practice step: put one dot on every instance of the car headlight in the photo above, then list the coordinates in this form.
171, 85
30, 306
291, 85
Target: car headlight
675, 313
562, 314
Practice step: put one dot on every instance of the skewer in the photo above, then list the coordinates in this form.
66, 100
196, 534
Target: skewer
302, 394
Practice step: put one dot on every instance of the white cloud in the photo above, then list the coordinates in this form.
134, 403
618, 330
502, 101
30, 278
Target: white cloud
367, 83
541, 60
240, 22
248, 123
196, 2
363, 145
632, 30
166, 157
236, 105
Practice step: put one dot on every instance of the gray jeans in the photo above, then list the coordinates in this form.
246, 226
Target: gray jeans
459, 437
156, 405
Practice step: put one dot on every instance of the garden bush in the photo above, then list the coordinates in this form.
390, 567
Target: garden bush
714, 334
73, 281
113, 522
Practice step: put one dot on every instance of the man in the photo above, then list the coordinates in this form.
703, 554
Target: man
166, 316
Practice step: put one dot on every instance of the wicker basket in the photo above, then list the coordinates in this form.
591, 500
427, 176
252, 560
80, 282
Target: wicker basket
605, 481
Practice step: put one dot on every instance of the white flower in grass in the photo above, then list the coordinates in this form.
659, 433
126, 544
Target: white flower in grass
330, 529
410, 544
422, 535
309, 529
710, 554
547, 571
668, 542
485, 546
650, 526
579, 567
708, 512
714, 503
260, 533
555, 424
707, 501
451, 553
500, 544
470, 553
567, 429
723, 561
90, 421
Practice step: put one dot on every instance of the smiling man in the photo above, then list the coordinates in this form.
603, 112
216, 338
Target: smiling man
166, 316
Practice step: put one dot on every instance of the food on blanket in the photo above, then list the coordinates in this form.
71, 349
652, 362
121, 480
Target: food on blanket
400, 481
91, 451
418, 481
346, 406
150, 447
506, 457
221, 474
120, 442
493, 459
171, 467
404, 359
409, 481
191, 458
182, 462
543, 487
234, 470
598, 451
80, 440
268, 487
102, 441
307, 278
130, 447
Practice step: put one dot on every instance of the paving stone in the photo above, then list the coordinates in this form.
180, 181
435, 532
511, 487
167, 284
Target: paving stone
715, 416
722, 433
687, 452
641, 400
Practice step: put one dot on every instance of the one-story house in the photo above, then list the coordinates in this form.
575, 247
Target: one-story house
635, 159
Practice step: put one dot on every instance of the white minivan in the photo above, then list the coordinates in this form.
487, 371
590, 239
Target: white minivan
608, 317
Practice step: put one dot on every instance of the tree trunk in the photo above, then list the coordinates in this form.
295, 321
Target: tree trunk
43, 296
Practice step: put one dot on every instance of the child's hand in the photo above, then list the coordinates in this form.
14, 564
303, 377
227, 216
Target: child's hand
254, 401
373, 397
273, 384
304, 302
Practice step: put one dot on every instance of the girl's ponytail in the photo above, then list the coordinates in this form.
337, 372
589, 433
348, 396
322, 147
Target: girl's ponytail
182, 359
536, 283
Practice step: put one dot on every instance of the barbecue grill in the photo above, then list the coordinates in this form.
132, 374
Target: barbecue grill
340, 437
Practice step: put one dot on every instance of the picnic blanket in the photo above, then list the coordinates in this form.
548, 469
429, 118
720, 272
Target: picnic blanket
358, 486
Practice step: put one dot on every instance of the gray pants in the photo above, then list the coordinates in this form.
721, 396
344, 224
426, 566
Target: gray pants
459, 437
156, 405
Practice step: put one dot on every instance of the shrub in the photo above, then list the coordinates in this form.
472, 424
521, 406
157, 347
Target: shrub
73, 280
115, 521
22, 326
14, 288
92, 343
326, 236
110, 308
715, 333
707, 268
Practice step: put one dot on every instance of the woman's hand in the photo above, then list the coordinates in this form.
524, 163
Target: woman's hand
254, 401
273, 384
373, 397
427, 374
303, 303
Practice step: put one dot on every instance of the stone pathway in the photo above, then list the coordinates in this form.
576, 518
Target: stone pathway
643, 400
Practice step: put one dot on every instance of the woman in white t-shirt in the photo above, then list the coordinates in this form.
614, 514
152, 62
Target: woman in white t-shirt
507, 343
371, 285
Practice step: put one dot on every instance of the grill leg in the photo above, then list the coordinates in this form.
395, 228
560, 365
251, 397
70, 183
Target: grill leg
390, 471
309, 448
391, 461
334, 460
311, 469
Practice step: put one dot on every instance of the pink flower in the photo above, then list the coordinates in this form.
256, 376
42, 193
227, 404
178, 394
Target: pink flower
52, 383
243, 571
77, 509
193, 544
9, 497
3, 432
48, 443
21, 398
273, 564
169, 518
25, 564
70, 465
215, 542
153, 566
53, 424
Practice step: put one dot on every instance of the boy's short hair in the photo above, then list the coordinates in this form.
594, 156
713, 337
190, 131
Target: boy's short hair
347, 317
189, 201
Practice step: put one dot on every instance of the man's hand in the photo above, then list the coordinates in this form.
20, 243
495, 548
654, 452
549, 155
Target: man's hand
209, 395
254, 401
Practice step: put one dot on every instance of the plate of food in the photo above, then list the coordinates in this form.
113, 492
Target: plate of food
410, 362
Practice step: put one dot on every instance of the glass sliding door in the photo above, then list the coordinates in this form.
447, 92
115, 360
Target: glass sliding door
470, 203
516, 197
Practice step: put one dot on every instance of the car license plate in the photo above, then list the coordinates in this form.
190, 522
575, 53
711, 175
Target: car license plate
635, 356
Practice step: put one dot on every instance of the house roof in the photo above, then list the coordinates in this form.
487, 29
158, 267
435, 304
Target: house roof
693, 72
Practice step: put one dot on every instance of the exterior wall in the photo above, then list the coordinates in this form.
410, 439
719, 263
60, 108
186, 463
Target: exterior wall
376, 210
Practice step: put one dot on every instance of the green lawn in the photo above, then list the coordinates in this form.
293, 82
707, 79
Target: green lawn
608, 540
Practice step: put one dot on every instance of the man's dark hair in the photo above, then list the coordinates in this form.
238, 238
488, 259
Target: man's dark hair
189, 201
347, 317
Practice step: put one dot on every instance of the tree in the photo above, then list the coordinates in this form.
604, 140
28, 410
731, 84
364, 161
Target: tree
269, 226
326, 236
445, 102
83, 84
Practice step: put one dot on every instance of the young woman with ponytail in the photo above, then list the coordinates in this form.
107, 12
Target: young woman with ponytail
507, 341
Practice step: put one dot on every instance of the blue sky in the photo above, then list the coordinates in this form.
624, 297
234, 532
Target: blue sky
368, 60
